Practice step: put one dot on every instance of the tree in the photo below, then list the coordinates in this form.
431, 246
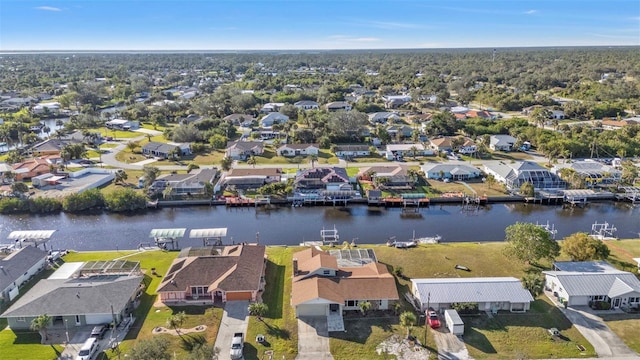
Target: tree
218, 141
150, 174
133, 145
226, 163
154, 348
252, 161
365, 306
582, 247
176, 321
347, 125
414, 151
125, 199
490, 180
408, 319
534, 282
19, 188
313, 158
40, 324
186, 133
203, 352
258, 310
120, 177
530, 243
629, 172
527, 189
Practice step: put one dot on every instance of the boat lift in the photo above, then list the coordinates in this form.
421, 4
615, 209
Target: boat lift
603, 231
210, 237
162, 237
549, 228
31, 237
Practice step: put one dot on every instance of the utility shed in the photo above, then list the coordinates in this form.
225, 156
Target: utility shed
454, 322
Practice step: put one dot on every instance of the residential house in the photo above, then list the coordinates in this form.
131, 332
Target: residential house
395, 175
224, 274
51, 146
321, 178
342, 151
241, 150
46, 108
122, 124
191, 119
338, 106
80, 294
271, 107
5, 169
482, 114
455, 171
490, 293
166, 150
273, 118
240, 119
18, 102
31, 168
306, 105
398, 151
383, 117
592, 171
292, 150
193, 183
448, 144
251, 178
501, 142
17, 268
584, 282
514, 174
609, 124
326, 284
395, 101
557, 115
400, 131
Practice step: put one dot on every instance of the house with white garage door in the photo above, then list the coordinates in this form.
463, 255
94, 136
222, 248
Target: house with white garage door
490, 293
328, 283
580, 283
78, 294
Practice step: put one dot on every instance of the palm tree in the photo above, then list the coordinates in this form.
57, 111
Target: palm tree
258, 310
176, 321
252, 161
40, 325
226, 163
313, 158
120, 177
364, 307
408, 319
490, 180
414, 151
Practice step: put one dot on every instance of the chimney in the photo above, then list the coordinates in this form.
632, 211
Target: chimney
295, 267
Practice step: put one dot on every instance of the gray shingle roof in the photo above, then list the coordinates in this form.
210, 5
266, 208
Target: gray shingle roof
76, 296
17, 263
454, 290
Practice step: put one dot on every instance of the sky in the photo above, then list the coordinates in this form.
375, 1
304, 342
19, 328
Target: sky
318, 24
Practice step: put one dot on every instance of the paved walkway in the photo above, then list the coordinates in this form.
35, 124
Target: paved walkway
235, 319
313, 339
595, 330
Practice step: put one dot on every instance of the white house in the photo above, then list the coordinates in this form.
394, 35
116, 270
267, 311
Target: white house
580, 283
240, 150
271, 107
338, 106
273, 118
306, 105
502, 142
383, 117
490, 293
514, 174
352, 150
395, 151
17, 268
291, 150
52, 108
456, 171
122, 124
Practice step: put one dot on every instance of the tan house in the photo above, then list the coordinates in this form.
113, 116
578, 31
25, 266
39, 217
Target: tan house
31, 168
328, 283
251, 178
204, 276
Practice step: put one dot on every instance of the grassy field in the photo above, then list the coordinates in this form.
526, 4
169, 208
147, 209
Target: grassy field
511, 336
279, 325
148, 316
118, 134
211, 158
129, 157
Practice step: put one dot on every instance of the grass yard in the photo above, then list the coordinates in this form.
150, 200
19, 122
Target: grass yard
363, 335
512, 336
129, 157
118, 134
148, 316
108, 146
440, 187
25, 345
280, 325
213, 157
627, 327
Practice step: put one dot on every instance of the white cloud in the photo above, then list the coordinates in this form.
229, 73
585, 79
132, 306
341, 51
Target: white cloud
531, 12
48, 8
353, 38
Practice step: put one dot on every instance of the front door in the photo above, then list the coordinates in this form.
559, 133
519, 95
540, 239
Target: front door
616, 303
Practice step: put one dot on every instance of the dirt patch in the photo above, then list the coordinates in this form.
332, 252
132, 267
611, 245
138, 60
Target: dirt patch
163, 330
402, 348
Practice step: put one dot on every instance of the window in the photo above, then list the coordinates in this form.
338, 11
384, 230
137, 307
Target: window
351, 303
634, 300
326, 272
21, 319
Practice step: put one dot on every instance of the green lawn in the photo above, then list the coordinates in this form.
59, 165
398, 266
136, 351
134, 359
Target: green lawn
511, 336
118, 134
108, 146
148, 316
280, 325
627, 327
25, 345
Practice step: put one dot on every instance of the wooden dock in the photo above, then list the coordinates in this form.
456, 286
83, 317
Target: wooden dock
239, 202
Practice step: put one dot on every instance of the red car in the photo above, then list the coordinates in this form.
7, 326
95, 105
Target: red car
432, 319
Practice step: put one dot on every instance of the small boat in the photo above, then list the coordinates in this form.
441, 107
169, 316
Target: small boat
427, 239
462, 267
404, 244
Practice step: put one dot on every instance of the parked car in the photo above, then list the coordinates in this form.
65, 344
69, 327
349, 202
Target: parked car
98, 331
237, 345
432, 319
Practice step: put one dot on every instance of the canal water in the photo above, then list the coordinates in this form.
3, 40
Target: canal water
290, 226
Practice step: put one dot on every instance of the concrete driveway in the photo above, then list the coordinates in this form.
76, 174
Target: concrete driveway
595, 330
450, 347
313, 338
234, 319
76, 342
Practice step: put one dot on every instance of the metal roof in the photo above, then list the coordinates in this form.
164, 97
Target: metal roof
590, 283
167, 233
30, 235
460, 290
207, 233
353, 257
